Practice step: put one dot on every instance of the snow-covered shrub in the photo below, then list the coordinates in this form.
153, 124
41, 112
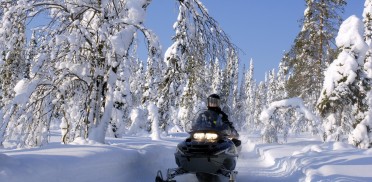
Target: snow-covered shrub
140, 124
359, 136
269, 134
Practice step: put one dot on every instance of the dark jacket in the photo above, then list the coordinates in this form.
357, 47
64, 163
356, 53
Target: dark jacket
219, 111
225, 119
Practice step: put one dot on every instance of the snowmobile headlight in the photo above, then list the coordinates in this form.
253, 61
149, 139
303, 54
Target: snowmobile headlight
199, 136
211, 136
205, 136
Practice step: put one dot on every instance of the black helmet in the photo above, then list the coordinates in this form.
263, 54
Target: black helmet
214, 100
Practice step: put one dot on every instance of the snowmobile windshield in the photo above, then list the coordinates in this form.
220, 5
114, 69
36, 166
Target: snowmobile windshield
208, 120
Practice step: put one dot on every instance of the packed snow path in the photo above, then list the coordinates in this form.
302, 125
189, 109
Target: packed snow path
303, 158
138, 159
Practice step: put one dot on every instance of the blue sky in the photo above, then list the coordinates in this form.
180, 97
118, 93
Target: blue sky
263, 29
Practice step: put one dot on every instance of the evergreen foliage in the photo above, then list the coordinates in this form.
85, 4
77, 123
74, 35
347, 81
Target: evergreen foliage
313, 49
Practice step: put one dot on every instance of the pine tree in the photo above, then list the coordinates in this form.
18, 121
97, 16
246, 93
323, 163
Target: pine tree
313, 49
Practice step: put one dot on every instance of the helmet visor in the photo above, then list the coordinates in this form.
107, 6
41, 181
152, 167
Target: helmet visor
213, 102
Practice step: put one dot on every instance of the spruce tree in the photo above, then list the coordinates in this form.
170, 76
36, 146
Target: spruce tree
251, 109
241, 102
343, 98
361, 136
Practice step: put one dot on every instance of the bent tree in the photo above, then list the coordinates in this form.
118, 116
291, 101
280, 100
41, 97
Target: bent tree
287, 116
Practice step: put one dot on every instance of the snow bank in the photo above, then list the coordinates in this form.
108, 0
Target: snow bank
368, 152
129, 159
342, 146
82, 141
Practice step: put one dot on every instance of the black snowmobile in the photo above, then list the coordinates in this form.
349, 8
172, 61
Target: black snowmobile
211, 149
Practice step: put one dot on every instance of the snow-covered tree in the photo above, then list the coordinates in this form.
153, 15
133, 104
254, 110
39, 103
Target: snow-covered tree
154, 120
272, 87
281, 82
361, 136
228, 87
250, 101
139, 121
187, 103
343, 98
367, 20
75, 71
235, 91
123, 102
260, 104
240, 104
198, 39
137, 83
12, 47
216, 77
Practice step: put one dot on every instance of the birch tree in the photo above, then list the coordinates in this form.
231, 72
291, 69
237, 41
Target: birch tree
198, 40
80, 51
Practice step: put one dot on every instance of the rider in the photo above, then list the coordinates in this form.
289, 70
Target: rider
214, 105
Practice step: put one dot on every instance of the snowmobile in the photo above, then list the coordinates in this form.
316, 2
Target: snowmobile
211, 149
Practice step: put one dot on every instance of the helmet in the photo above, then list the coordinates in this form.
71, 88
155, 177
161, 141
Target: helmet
214, 100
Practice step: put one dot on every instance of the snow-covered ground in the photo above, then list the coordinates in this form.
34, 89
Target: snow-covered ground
303, 158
